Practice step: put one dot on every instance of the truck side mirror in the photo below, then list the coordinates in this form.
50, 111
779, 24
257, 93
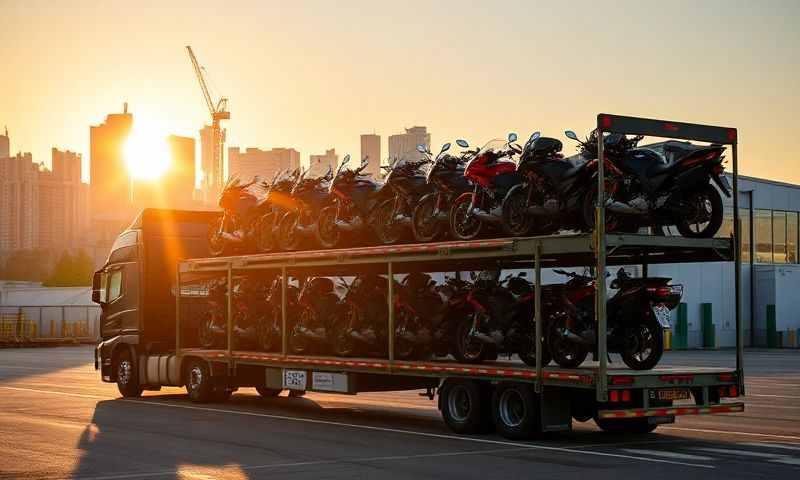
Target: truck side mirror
98, 288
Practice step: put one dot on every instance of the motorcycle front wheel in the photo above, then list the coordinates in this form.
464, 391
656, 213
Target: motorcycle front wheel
703, 217
516, 219
343, 344
643, 345
267, 332
288, 236
566, 353
328, 234
468, 349
425, 226
464, 225
386, 228
265, 242
217, 245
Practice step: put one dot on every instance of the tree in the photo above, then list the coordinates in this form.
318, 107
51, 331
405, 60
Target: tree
26, 265
71, 271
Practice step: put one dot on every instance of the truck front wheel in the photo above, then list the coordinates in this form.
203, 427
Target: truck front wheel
198, 381
127, 374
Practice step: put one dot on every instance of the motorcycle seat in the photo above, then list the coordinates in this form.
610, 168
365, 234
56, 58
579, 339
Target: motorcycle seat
671, 153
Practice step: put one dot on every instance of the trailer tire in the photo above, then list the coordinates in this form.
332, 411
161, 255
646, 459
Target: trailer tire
464, 406
516, 412
267, 392
626, 425
127, 373
198, 381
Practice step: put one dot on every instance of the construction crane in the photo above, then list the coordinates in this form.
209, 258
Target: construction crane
219, 112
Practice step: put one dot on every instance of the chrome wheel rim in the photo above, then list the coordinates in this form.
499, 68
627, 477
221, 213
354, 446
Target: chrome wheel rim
195, 377
124, 371
512, 407
459, 404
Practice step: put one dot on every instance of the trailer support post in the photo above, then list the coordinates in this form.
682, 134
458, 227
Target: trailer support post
230, 317
537, 293
284, 336
737, 269
177, 313
600, 273
390, 276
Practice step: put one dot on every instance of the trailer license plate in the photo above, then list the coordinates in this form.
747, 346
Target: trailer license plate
673, 394
294, 379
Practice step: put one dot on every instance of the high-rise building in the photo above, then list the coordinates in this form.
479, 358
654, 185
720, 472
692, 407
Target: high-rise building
179, 179
404, 145
5, 145
371, 149
19, 203
208, 167
63, 216
110, 180
319, 164
262, 163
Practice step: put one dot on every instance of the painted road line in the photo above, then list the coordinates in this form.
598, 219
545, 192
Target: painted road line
771, 445
771, 396
729, 432
787, 461
664, 453
742, 453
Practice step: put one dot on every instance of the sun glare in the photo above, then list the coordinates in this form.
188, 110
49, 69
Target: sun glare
146, 154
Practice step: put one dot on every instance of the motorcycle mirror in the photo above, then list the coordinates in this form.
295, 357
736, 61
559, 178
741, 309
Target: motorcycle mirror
512, 137
445, 148
346, 159
535, 136
571, 134
421, 148
462, 143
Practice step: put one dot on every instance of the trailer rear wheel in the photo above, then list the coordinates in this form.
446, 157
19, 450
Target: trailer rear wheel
515, 408
625, 425
464, 405
267, 392
198, 381
127, 374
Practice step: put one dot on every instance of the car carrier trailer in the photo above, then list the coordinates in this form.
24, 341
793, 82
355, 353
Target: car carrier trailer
158, 347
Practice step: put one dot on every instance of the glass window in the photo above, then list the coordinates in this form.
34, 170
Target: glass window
744, 214
726, 229
115, 286
779, 237
763, 234
791, 237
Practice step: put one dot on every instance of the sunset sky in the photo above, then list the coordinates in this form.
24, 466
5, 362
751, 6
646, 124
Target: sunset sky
316, 75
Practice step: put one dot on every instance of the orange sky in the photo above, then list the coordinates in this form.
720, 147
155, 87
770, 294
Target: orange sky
315, 75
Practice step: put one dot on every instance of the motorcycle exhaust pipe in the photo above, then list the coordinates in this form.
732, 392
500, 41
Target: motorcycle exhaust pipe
318, 334
619, 207
231, 237
489, 217
348, 226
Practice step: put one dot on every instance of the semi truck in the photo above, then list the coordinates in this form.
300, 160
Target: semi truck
154, 296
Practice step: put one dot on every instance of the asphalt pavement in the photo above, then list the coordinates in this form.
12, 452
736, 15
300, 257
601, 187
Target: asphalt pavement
58, 420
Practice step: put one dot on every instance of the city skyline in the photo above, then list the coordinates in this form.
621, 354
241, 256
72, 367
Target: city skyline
514, 73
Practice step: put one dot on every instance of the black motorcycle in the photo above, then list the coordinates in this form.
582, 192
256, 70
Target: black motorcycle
269, 323
405, 184
501, 321
299, 224
236, 230
446, 175
359, 210
636, 318
278, 198
312, 325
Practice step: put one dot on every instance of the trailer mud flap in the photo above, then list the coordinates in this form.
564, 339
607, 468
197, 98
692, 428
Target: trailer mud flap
556, 414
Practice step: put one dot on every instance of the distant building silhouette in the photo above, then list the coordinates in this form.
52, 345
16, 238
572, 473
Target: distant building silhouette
41, 208
208, 167
371, 148
110, 179
318, 164
262, 163
179, 179
404, 145
5, 145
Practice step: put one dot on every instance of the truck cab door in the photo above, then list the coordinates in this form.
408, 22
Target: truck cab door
121, 309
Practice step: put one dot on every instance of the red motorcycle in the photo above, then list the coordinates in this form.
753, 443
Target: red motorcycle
493, 177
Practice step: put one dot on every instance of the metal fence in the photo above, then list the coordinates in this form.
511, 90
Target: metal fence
43, 324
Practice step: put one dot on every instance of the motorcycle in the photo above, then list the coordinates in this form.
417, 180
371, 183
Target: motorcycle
211, 332
405, 183
359, 209
501, 320
471, 212
636, 318
279, 198
312, 327
247, 303
446, 176
270, 321
237, 228
551, 195
299, 223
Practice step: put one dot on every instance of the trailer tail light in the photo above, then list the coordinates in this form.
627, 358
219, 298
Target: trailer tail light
726, 377
626, 395
622, 380
613, 396
661, 292
616, 396
731, 391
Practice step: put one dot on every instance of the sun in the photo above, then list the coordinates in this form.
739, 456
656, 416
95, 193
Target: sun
146, 154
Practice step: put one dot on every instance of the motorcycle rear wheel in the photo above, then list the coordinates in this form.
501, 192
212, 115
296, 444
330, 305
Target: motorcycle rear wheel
645, 337
464, 225
527, 353
265, 242
565, 352
386, 229
217, 245
704, 204
426, 227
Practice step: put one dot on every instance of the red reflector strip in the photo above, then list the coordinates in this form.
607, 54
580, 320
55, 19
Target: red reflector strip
672, 411
677, 378
622, 380
726, 377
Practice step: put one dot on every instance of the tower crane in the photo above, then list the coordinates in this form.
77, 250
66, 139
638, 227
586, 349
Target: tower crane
219, 112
